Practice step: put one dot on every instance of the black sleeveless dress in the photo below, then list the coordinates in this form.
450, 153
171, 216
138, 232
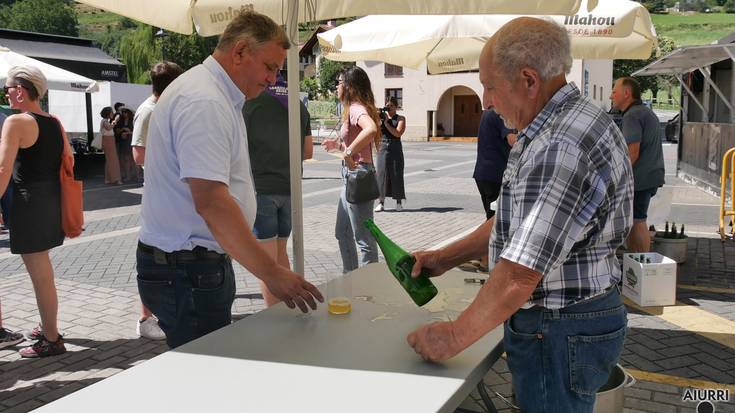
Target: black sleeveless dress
390, 164
35, 224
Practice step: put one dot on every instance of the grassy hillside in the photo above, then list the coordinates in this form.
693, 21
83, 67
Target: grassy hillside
694, 29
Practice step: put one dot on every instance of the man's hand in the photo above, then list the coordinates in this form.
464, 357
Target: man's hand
430, 260
435, 342
293, 289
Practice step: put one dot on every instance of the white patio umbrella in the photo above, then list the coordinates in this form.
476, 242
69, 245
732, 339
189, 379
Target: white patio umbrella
58, 79
618, 29
210, 17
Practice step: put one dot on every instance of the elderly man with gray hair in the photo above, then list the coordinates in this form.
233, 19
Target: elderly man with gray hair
199, 198
564, 208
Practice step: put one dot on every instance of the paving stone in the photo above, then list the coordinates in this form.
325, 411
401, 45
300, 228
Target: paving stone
649, 406
99, 300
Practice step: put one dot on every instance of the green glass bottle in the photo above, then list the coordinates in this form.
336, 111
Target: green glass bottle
400, 263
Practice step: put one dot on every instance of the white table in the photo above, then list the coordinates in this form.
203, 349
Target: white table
279, 360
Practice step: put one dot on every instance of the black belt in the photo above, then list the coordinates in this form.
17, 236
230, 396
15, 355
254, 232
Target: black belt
197, 254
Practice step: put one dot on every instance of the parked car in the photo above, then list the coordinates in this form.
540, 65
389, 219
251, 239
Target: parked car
671, 131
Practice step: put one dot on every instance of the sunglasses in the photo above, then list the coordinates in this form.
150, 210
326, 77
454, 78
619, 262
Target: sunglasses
7, 88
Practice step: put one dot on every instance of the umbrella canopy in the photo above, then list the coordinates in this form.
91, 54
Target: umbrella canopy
57, 78
618, 29
210, 17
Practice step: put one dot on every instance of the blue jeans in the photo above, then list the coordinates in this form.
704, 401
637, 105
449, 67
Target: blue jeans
349, 230
560, 358
274, 217
190, 298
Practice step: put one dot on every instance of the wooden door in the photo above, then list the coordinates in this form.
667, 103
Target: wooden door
467, 114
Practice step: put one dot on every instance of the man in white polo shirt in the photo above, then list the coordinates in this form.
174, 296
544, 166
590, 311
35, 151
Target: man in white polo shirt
199, 198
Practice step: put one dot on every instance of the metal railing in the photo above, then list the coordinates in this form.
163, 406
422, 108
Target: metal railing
728, 173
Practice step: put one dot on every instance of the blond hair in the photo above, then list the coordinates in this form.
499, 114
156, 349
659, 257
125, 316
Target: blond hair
256, 28
31, 78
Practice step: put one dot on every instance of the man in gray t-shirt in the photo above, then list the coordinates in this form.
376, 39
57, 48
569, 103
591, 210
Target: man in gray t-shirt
266, 120
641, 130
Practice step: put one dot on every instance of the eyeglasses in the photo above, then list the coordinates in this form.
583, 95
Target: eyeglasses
7, 88
340, 81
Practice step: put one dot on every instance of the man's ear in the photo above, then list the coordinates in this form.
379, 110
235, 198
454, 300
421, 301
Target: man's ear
531, 81
241, 50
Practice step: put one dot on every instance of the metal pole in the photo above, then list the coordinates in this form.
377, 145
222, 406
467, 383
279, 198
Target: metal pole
294, 137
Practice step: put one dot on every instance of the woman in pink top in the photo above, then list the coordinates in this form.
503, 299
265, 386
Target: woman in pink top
359, 135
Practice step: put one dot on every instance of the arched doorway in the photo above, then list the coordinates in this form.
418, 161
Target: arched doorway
459, 112
467, 114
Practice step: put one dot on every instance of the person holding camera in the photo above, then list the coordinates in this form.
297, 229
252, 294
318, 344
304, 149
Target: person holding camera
390, 156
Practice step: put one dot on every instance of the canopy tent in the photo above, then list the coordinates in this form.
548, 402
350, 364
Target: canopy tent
210, 17
618, 29
691, 58
58, 79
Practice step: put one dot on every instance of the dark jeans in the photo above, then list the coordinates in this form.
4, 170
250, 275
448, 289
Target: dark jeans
560, 358
489, 192
190, 297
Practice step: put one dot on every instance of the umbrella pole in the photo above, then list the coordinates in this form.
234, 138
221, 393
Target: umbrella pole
294, 138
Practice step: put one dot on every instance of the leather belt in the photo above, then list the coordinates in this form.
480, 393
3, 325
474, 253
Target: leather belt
197, 254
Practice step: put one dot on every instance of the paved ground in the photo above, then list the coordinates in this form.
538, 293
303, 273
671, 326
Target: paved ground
666, 350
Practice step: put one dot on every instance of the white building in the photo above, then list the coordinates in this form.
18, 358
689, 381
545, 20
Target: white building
450, 104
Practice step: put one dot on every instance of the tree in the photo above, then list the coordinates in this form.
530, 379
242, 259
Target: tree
730, 6
187, 50
139, 51
623, 68
654, 6
42, 16
328, 71
311, 86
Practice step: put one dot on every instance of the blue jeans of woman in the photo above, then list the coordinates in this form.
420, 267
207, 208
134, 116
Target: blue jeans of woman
560, 358
191, 298
349, 230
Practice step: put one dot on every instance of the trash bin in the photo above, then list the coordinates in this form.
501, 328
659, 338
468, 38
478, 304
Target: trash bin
611, 396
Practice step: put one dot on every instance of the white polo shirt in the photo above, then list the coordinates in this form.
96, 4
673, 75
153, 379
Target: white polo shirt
196, 131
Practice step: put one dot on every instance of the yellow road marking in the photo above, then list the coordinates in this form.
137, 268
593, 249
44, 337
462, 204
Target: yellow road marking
696, 320
678, 381
708, 289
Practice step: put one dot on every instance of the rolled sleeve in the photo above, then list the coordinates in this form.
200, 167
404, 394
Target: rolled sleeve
203, 143
561, 196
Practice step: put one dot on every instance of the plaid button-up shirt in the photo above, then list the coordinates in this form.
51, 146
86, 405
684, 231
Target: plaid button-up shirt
566, 201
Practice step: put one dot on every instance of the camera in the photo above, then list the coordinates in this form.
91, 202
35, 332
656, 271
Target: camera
383, 112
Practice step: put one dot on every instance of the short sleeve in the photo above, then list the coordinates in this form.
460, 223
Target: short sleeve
356, 111
560, 197
202, 139
632, 128
140, 126
305, 120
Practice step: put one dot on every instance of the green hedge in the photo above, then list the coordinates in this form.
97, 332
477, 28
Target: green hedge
322, 109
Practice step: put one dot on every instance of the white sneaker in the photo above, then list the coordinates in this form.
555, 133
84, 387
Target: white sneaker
399, 207
149, 329
379, 207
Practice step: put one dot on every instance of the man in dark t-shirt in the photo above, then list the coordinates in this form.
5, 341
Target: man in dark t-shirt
266, 120
641, 129
493, 147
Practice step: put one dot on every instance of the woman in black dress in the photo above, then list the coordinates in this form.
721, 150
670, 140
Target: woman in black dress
30, 158
390, 156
